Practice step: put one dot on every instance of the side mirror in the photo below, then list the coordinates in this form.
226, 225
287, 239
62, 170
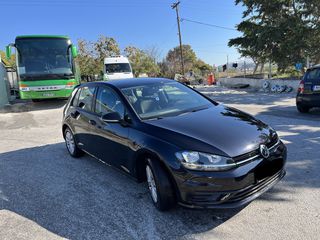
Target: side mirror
112, 117
8, 52
74, 51
81, 105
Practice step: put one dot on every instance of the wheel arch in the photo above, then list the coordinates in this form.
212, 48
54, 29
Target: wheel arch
140, 163
64, 127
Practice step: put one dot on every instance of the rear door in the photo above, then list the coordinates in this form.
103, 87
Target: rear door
312, 81
81, 118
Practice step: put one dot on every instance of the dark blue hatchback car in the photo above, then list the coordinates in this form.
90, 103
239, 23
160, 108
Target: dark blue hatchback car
190, 149
308, 95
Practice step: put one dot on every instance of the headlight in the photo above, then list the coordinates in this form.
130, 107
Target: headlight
70, 85
204, 161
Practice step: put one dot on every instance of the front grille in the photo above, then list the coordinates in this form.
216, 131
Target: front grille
245, 157
250, 156
251, 190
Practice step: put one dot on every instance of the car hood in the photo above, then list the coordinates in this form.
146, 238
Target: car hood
218, 129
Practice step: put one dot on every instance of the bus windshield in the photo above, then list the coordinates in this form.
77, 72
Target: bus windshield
44, 58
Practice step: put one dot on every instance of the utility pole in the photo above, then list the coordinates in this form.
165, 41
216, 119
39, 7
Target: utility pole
176, 6
270, 69
308, 61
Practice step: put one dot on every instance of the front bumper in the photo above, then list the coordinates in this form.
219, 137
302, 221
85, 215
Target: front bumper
64, 93
232, 188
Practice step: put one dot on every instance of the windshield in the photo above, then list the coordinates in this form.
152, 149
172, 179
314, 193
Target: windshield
164, 100
44, 58
118, 68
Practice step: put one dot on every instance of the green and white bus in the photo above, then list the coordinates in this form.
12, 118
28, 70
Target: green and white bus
45, 66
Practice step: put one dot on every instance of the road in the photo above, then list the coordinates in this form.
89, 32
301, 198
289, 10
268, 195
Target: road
45, 194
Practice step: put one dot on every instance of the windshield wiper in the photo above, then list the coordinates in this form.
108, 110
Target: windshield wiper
153, 118
194, 110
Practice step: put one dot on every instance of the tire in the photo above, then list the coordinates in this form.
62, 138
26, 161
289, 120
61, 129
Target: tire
303, 109
71, 145
161, 190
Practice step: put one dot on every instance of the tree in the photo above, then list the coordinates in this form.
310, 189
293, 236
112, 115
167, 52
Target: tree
142, 61
85, 59
91, 54
251, 44
202, 66
8, 62
105, 47
172, 63
281, 31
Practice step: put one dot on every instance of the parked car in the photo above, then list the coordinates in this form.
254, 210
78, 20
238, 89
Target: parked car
309, 90
189, 148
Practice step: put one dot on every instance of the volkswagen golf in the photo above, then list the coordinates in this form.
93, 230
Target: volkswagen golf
189, 149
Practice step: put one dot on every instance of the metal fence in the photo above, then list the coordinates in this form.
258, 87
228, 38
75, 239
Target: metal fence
4, 86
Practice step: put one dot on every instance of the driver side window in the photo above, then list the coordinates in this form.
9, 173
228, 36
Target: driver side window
108, 101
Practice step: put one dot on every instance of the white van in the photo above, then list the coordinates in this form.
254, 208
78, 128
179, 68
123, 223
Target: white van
117, 67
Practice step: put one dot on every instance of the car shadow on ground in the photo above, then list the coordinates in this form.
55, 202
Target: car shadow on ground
292, 112
28, 106
85, 199
244, 96
282, 105
302, 138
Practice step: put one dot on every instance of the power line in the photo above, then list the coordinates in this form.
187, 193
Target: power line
208, 24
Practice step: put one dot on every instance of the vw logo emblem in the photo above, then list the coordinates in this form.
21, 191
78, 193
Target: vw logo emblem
264, 151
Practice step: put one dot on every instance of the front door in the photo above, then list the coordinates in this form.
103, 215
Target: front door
111, 139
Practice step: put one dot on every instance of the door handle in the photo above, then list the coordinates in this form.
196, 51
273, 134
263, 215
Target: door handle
93, 122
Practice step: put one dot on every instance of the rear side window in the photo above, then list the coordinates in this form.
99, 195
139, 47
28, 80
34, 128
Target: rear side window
313, 74
86, 98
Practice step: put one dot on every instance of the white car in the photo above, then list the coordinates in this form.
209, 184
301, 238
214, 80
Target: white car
117, 67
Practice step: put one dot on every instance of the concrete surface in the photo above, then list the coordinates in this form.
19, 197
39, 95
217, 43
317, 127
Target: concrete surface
45, 194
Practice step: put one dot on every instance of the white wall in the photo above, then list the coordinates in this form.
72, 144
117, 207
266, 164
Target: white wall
257, 83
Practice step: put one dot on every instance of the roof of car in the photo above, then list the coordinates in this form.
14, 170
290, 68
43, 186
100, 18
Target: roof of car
132, 82
315, 66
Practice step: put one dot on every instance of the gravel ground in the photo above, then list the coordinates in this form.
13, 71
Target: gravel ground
45, 194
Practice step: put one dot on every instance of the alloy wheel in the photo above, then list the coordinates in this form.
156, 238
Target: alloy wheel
70, 142
151, 184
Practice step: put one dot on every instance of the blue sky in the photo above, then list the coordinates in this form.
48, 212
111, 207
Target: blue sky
143, 23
